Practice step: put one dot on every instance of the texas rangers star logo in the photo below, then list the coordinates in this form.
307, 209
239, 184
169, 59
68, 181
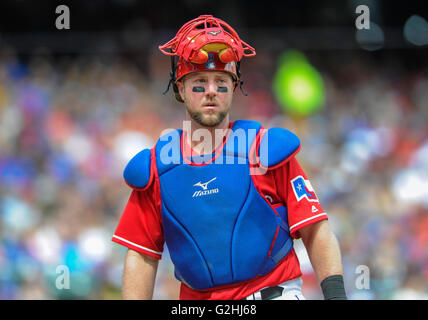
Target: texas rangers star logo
204, 185
303, 189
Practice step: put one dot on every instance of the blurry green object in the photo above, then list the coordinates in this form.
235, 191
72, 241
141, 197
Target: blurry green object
297, 85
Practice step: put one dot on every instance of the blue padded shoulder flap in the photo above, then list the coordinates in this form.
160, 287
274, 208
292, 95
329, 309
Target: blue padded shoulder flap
277, 146
137, 171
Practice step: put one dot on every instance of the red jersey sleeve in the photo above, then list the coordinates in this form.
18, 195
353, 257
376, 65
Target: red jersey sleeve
140, 226
303, 205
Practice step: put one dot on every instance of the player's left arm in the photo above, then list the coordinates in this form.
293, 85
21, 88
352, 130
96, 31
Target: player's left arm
308, 221
323, 249
324, 253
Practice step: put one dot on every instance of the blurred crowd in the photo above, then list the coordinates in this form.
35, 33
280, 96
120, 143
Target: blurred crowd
69, 124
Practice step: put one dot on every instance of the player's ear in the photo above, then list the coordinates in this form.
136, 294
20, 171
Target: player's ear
180, 89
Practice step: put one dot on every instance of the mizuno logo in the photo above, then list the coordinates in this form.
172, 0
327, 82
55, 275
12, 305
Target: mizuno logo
214, 33
204, 185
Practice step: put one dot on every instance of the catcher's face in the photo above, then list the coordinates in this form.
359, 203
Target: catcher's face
207, 95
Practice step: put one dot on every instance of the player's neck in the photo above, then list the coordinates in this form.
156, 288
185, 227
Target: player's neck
204, 140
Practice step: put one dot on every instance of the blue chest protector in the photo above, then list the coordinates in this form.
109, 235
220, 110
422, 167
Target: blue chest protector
218, 228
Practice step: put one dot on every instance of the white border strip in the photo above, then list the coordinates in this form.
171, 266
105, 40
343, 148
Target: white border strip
138, 246
303, 221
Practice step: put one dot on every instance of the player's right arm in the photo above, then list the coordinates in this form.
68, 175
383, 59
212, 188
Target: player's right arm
140, 230
138, 276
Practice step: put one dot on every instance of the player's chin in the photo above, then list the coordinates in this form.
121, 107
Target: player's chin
209, 118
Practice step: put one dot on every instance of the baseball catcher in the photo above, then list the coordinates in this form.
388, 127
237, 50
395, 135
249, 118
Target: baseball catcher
227, 197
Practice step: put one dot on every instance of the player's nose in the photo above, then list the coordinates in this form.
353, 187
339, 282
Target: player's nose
211, 89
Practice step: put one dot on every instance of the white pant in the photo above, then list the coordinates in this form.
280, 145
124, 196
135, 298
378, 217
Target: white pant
292, 291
